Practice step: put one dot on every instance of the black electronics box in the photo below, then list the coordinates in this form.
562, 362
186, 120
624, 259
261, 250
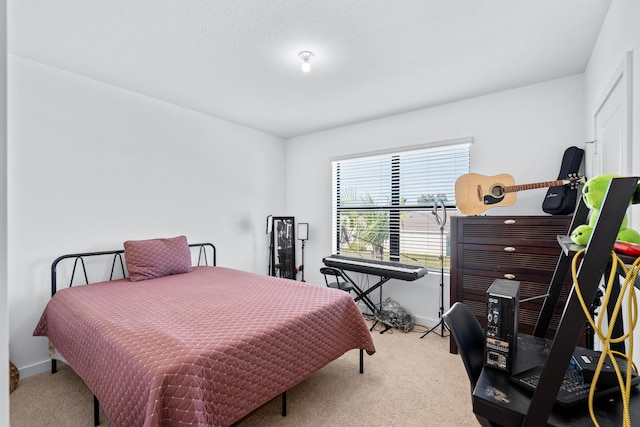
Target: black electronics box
501, 336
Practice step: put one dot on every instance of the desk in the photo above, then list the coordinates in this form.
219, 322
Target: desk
497, 399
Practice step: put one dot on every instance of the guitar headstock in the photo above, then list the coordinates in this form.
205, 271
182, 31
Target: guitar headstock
576, 180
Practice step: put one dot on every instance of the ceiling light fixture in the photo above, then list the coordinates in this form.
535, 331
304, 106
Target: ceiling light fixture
305, 55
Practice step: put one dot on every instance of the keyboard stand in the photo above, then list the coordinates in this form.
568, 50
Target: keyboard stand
386, 327
385, 270
364, 295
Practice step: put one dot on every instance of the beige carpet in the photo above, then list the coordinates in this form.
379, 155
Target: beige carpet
408, 382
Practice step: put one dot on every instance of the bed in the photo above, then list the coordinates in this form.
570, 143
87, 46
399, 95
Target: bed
204, 346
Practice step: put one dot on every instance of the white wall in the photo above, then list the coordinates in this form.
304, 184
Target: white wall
620, 33
4, 305
523, 132
91, 165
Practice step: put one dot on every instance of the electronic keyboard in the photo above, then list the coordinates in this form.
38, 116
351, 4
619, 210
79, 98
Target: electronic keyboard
390, 269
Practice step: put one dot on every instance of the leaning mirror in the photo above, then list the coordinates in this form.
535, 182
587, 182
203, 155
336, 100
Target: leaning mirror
283, 253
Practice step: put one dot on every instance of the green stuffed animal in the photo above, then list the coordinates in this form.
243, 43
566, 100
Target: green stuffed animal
593, 193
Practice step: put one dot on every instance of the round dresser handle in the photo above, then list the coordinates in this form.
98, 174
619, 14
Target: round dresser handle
509, 221
509, 249
509, 276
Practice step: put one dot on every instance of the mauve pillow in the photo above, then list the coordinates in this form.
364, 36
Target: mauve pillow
148, 259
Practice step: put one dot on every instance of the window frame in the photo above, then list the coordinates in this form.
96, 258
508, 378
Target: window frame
394, 207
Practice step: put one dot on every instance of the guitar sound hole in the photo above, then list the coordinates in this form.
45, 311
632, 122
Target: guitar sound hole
497, 191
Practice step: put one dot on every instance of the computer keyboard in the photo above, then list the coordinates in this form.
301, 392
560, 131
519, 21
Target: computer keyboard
573, 389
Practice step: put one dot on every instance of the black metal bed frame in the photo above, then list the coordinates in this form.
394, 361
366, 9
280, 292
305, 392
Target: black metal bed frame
117, 256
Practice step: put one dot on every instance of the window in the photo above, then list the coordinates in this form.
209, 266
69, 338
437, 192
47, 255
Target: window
383, 204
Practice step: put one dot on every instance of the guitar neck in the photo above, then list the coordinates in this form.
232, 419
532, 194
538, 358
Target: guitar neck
515, 188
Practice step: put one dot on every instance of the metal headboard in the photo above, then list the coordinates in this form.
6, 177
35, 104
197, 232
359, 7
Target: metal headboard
203, 255
204, 251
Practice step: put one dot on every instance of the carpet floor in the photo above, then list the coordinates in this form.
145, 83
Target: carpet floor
409, 381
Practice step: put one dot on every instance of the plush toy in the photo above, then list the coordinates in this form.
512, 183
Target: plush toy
593, 193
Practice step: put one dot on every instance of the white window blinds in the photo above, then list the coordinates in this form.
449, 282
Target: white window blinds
383, 203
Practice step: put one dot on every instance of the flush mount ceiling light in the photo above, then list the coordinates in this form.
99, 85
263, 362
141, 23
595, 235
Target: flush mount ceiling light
305, 55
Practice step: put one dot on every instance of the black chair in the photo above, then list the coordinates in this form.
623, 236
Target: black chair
469, 337
334, 278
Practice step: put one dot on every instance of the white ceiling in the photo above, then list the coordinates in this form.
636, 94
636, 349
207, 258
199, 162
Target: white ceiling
238, 59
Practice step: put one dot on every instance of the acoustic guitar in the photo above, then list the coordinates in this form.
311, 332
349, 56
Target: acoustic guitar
476, 193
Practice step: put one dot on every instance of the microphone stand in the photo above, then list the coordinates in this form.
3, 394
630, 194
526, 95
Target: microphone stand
303, 235
441, 223
271, 248
302, 265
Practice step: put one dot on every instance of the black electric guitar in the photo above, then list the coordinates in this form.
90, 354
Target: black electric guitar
476, 193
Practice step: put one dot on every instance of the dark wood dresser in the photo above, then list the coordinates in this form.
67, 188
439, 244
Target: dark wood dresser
523, 248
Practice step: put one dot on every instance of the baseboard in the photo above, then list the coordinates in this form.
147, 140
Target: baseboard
427, 322
35, 369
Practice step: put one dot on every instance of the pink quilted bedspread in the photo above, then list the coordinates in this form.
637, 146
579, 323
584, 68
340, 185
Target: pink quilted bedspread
202, 348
